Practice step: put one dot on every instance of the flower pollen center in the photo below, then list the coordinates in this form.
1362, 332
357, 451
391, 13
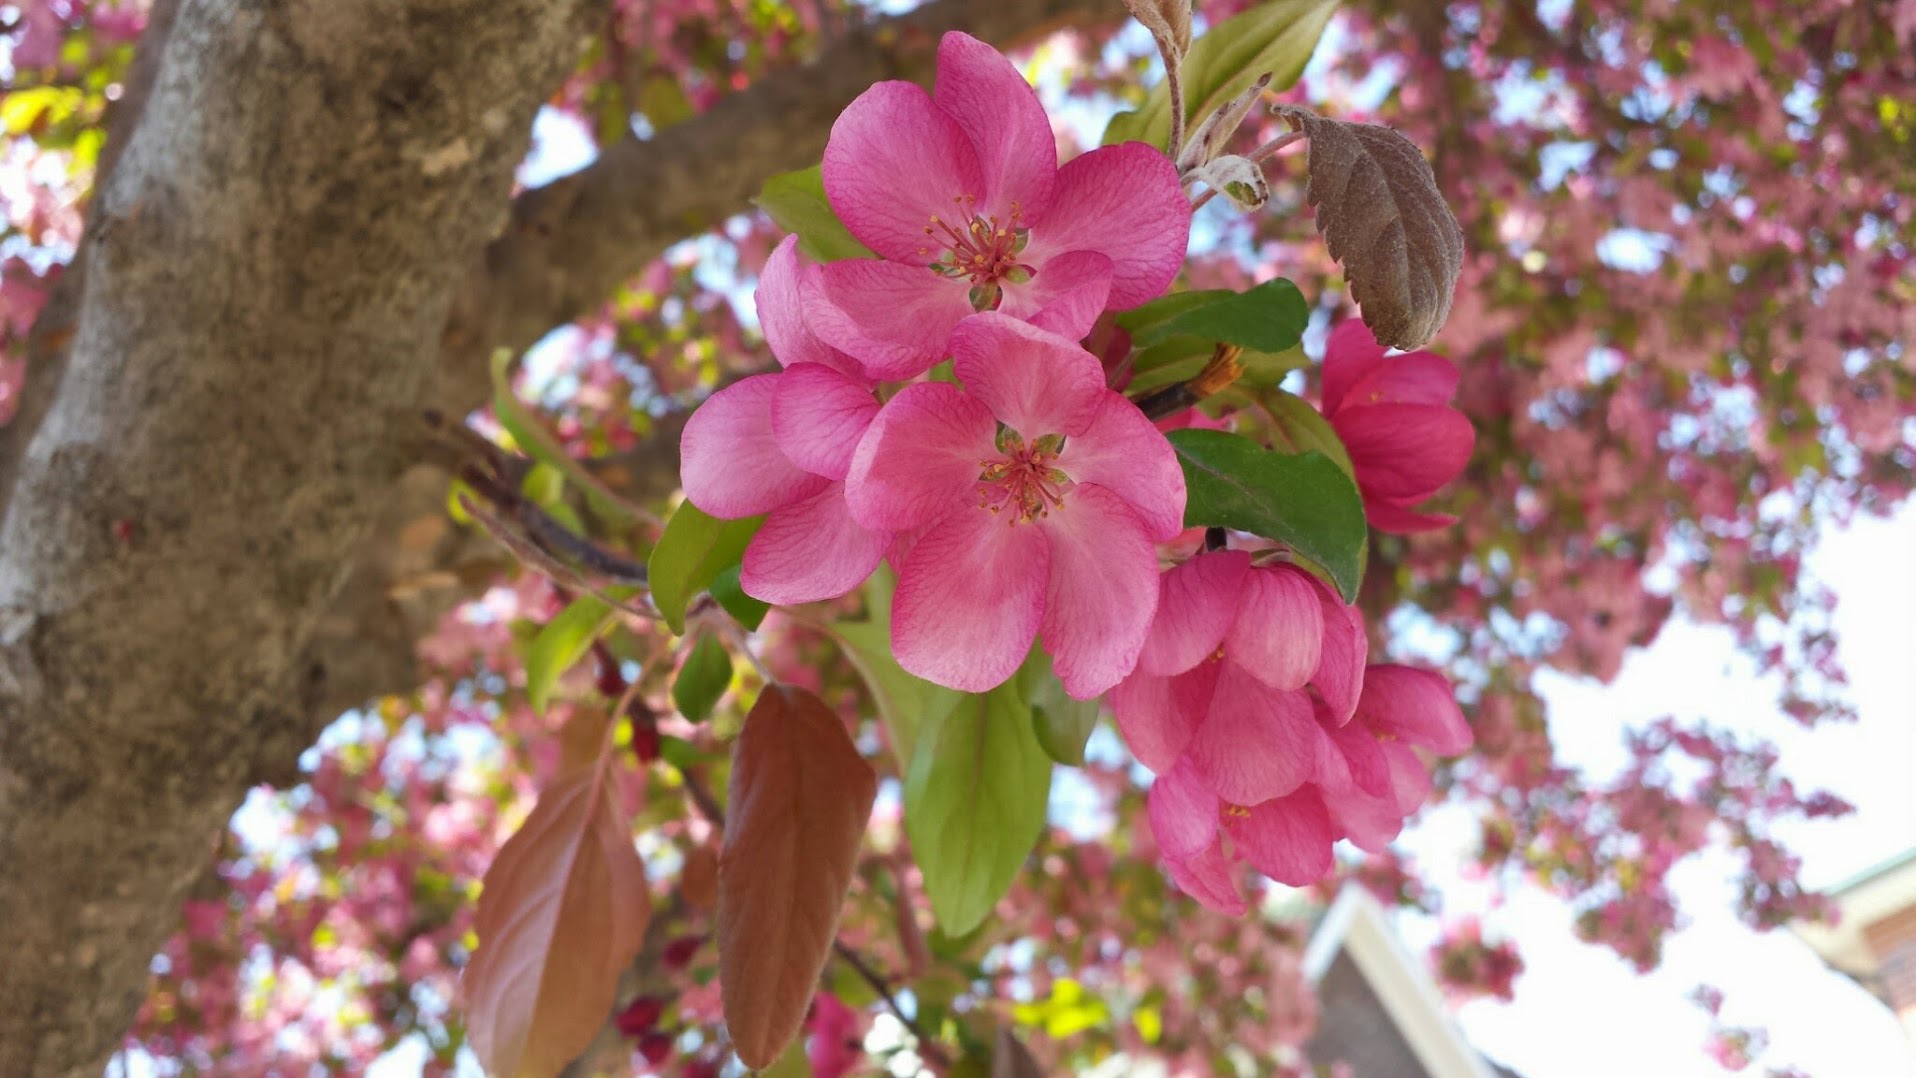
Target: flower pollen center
979, 249
1025, 480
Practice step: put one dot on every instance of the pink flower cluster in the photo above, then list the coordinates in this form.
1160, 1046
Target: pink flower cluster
1253, 702
1394, 417
1022, 501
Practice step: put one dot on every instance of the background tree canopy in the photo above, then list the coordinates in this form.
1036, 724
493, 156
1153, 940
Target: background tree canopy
246, 250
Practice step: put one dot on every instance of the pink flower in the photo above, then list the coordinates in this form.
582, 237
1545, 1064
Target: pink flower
1221, 678
781, 445
836, 1044
1027, 504
960, 194
1394, 416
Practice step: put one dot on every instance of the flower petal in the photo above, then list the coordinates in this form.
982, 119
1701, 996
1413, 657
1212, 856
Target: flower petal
731, 464
969, 600
1197, 602
1396, 519
1035, 382
1414, 705
781, 313
1101, 591
810, 551
1207, 877
1361, 763
1351, 355
893, 318
1371, 823
1158, 715
1183, 812
818, 416
1256, 743
1125, 203
1065, 295
1124, 453
1412, 378
1405, 451
919, 458
1409, 778
999, 111
896, 160
1288, 839
1339, 678
1279, 632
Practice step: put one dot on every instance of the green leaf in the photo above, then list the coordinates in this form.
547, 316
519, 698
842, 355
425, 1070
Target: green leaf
561, 642
975, 803
1062, 724
1269, 318
1277, 36
532, 438
1303, 499
906, 703
744, 609
792, 1063
703, 678
690, 555
797, 202
1300, 428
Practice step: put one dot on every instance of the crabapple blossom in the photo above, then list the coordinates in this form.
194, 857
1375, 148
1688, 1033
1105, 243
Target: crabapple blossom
960, 194
1027, 503
1394, 417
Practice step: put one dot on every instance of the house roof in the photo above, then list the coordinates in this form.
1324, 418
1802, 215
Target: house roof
1861, 900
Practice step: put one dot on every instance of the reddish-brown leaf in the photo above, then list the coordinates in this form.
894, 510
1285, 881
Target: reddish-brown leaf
698, 880
1384, 219
562, 914
800, 798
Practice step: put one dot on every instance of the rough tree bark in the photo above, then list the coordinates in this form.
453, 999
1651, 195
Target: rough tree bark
210, 510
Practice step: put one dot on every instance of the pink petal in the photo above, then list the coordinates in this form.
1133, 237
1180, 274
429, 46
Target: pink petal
1386, 516
810, 551
893, 318
894, 162
1207, 877
1410, 783
1066, 294
1288, 839
818, 416
1340, 664
1034, 382
1405, 451
1101, 591
1256, 743
1279, 631
731, 464
1158, 715
1183, 812
1124, 453
969, 600
920, 457
1415, 706
1000, 113
1412, 378
781, 314
1361, 761
1351, 355
1371, 823
1197, 602
1125, 203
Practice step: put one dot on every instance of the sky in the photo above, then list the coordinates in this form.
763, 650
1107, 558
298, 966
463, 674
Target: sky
1580, 1010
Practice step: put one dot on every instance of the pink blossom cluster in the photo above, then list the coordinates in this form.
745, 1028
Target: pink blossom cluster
1270, 735
1021, 499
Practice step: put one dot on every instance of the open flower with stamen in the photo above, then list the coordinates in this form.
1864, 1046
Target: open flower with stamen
781, 445
960, 194
1028, 503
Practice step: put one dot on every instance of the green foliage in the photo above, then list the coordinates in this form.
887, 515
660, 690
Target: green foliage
975, 803
561, 642
530, 435
1062, 724
703, 679
695, 548
746, 610
1269, 317
1277, 36
797, 202
1303, 499
906, 703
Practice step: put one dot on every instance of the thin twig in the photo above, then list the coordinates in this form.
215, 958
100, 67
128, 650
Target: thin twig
927, 1047
1221, 371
